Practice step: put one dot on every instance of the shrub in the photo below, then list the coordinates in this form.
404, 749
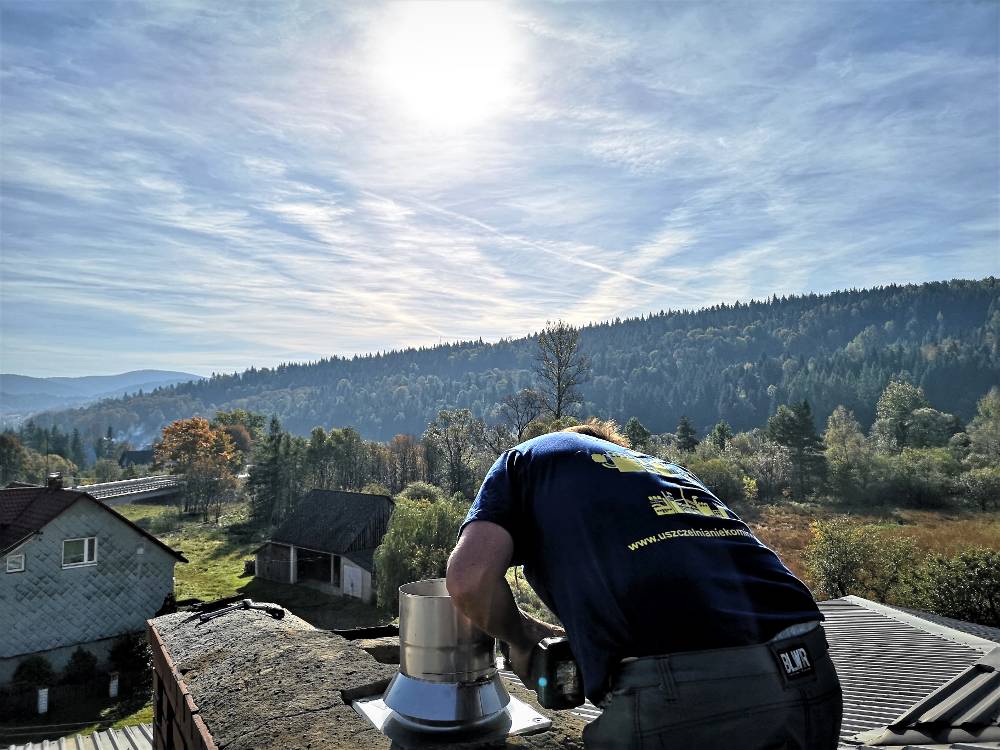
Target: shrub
421, 535
421, 491
966, 586
981, 487
722, 477
845, 557
82, 667
131, 654
33, 672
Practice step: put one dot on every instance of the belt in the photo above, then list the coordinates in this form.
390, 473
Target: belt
718, 664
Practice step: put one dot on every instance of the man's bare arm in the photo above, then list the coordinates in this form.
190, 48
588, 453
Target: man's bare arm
478, 585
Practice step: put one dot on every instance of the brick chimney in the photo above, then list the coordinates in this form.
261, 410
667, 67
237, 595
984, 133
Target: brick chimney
55, 480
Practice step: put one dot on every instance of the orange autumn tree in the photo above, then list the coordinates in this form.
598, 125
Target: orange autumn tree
207, 456
190, 441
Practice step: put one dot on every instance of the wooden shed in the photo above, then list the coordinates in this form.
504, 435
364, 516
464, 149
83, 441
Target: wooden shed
328, 543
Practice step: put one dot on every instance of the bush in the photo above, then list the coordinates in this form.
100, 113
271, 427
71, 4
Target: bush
966, 586
131, 654
421, 491
918, 478
722, 477
981, 487
33, 672
81, 668
845, 557
421, 535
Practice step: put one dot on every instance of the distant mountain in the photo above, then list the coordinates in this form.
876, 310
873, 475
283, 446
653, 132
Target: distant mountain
21, 395
735, 362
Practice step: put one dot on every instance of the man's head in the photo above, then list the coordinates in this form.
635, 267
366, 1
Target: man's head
600, 428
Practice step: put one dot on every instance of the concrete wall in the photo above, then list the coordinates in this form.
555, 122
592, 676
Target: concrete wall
48, 607
356, 581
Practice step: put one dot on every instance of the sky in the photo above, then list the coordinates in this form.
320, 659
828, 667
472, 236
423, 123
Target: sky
212, 186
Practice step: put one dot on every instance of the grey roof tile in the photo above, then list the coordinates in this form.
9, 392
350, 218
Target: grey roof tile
332, 520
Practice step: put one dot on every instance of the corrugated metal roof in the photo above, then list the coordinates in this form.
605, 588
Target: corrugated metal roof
972, 628
886, 665
139, 737
965, 709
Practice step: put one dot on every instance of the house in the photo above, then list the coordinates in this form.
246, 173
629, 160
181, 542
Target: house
75, 573
328, 543
136, 458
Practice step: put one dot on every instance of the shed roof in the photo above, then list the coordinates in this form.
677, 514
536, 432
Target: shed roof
331, 520
24, 511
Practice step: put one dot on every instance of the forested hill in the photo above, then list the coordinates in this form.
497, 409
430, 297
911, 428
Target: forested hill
734, 362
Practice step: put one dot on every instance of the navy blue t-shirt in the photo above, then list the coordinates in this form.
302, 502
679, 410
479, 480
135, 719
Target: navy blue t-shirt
633, 554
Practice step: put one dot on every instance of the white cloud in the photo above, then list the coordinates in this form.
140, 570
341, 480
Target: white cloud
228, 183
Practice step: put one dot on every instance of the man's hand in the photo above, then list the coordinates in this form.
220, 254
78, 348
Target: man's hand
520, 653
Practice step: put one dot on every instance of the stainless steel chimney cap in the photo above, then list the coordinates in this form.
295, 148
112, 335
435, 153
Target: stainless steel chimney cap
447, 666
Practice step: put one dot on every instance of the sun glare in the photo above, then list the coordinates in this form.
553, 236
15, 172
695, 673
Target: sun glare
447, 65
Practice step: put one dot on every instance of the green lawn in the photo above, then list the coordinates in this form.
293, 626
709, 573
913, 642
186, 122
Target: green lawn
216, 553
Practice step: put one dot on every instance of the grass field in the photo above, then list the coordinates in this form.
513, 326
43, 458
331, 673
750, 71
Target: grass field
216, 553
785, 529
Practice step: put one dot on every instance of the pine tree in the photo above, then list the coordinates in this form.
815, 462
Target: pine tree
720, 435
794, 428
687, 436
76, 454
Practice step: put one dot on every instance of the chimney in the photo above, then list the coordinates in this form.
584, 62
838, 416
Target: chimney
55, 480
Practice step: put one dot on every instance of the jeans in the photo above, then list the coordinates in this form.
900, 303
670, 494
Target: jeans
781, 695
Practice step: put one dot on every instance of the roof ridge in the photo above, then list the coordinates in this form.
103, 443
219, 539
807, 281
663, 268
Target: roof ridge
928, 626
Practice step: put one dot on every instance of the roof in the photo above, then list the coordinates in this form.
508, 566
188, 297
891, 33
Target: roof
964, 710
128, 458
24, 511
139, 737
889, 660
331, 520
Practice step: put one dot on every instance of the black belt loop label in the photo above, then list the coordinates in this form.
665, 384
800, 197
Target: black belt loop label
795, 661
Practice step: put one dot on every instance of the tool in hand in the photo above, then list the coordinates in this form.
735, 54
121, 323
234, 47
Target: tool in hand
553, 674
272, 609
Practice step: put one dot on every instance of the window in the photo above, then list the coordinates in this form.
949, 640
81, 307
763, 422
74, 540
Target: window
15, 563
80, 552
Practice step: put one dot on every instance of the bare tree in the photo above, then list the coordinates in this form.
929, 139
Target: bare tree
456, 435
518, 410
561, 367
513, 414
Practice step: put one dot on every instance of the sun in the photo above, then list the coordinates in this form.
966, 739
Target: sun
446, 65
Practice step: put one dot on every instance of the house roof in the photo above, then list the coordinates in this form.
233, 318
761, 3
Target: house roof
145, 456
891, 663
330, 520
24, 511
